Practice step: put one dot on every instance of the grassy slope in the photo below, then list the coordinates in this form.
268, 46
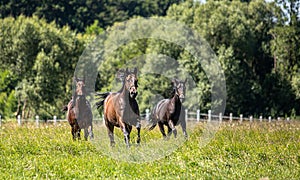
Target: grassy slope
248, 151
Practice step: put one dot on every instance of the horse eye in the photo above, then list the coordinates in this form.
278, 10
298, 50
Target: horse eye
130, 80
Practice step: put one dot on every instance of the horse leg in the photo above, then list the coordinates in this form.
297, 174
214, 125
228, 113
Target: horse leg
77, 131
126, 135
86, 133
128, 129
162, 130
90, 130
73, 132
138, 127
169, 131
110, 131
170, 123
183, 127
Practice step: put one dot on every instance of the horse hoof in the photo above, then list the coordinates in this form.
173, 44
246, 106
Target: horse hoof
112, 144
138, 144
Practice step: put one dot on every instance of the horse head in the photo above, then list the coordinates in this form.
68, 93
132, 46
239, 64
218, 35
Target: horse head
131, 82
80, 86
179, 88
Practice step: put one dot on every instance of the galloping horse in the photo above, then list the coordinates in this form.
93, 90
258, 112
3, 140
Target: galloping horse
121, 108
79, 113
170, 111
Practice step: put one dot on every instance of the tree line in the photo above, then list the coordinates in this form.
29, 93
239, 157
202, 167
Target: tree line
256, 42
78, 14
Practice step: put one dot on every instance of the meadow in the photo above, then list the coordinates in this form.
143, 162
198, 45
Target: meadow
237, 151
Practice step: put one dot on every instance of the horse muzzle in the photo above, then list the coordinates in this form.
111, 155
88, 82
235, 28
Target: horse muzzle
133, 92
181, 98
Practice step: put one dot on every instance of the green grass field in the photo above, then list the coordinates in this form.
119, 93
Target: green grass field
237, 151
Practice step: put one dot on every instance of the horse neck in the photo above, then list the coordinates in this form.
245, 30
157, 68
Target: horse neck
80, 102
124, 93
175, 99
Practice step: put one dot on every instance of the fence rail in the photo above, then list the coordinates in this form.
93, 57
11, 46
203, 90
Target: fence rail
189, 116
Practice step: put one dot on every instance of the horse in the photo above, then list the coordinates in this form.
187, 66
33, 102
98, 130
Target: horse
121, 108
79, 113
170, 112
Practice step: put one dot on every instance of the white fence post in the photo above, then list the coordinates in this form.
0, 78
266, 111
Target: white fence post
37, 120
220, 117
147, 117
260, 118
251, 118
54, 120
186, 115
288, 119
230, 117
209, 115
198, 115
103, 120
19, 120
241, 118
270, 119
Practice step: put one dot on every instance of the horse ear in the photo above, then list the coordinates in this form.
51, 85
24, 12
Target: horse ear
185, 80
75, 79
121, 74
135, 71
174, 82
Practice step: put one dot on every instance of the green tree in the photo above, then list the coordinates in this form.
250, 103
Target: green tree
79, 14
239, 34
43, 58
7, 94
285, 47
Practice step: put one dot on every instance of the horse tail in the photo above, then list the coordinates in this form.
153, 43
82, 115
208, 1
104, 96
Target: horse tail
152, 123
152, 126
100, 103
102, 96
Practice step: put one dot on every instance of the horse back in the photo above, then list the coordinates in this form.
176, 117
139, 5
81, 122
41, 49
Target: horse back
166, 109
160, 110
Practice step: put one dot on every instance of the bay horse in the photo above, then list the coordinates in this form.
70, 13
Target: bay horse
121, 108
79, 113
170, 112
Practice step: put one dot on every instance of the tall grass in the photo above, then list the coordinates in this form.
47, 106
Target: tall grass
238, 151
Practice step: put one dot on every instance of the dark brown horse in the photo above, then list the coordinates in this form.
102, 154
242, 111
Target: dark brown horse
121, 108
79, 113
169, 112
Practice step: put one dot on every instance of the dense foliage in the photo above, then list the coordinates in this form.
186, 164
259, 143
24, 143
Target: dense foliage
36, 65
257, 44
241, 35
79, 14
